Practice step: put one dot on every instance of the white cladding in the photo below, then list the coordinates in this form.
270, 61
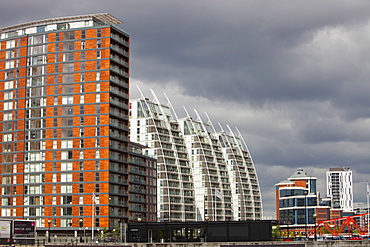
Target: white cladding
339, 188
202, 174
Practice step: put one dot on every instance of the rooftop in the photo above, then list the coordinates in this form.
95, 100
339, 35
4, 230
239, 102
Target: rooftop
104, 18
300, 174
341, 169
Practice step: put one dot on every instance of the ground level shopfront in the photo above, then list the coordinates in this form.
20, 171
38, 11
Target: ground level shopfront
213, 231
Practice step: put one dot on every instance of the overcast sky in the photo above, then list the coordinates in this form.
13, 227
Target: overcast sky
293, 76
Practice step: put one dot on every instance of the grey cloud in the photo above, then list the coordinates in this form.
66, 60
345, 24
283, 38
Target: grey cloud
291, 75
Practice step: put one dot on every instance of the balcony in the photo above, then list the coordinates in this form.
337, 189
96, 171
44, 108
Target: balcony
118, 49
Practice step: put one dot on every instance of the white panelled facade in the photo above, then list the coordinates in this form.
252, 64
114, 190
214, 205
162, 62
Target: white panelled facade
202, 174
340, 188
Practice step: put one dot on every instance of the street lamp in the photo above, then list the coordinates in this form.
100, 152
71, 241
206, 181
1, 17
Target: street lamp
305, 212
206, 229
49, 240
314, 217
120, 231
81, 220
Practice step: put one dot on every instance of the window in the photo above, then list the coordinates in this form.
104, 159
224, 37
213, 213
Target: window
66, 154
9, 64
38, 49
9, 54
69, 35
35, 179
40, 29
39, 38
35, 189
8, 116
66, 166
68, 46
68, 121
8, 85
6, 212
82, 77
8, 105
66, 177
7, 137
65, 222
66, 188
67, 89
68, 56
68, 67
10, 44
67, 99
66, 200
9, 74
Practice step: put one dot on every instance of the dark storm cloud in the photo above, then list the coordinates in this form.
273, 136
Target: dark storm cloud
291, 75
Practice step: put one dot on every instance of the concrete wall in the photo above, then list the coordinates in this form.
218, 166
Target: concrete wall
255, 244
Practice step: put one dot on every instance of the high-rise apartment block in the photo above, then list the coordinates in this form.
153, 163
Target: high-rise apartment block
340, 188
153, 126
202, 174
64, 136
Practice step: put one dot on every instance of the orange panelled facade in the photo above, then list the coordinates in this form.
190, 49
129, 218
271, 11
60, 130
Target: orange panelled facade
18, 155
64, 123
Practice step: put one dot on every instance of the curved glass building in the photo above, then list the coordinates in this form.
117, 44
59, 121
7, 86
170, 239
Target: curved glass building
203, 174
153, 126
246, 194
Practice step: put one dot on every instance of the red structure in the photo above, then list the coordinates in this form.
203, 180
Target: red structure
344, 225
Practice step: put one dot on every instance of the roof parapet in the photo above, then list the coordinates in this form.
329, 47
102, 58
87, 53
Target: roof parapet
105, 18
